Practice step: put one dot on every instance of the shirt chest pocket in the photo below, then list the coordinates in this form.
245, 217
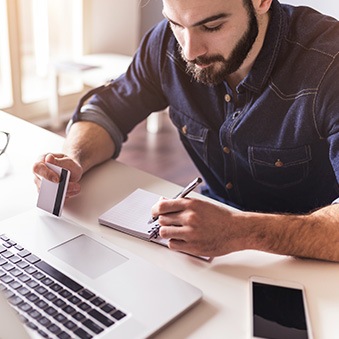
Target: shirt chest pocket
192, 134
279, 168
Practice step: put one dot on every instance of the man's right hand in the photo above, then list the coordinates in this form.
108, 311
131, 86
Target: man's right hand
40, 171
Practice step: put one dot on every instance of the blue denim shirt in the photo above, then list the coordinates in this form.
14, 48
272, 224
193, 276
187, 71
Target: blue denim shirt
276, 149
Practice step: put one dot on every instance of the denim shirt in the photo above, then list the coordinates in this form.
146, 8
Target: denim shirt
274, 149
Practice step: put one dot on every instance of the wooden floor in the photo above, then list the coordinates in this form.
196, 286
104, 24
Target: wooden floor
159, 153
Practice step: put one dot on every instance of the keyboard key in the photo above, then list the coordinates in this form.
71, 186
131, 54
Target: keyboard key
60, 318
7, 254
24, 290
64, 335
56, 287
93, 326
7, 293
15, 259
97, 301
4, 237
30, 270
101, 318
32, 326
15, 285
118, 315
85, 307
108, 308
38, 275
54, 328
34, 314
86, 294
11, 243
79, 316
41, 304
51, 311
82, 334
60, 303
24, 253
16, 272
22, 264
32, 297
42, 333
68, 309
41, 289
6, 279
74, 300
15, 300
50, 296
66, 294
25, 307
47, 281
44, 321
24, 278
32, 259
70, 325
68, 282
7, 266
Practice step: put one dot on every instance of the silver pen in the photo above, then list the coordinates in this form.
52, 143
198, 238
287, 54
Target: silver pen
182, 194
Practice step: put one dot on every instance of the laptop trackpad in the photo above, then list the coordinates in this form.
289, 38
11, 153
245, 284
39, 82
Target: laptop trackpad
88, 256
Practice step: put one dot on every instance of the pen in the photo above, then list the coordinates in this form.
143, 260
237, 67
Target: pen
182, 194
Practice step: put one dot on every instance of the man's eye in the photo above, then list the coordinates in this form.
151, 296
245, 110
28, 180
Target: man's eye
212, 28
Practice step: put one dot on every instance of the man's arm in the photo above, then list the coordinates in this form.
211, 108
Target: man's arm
315, 235
214, 230
87, 144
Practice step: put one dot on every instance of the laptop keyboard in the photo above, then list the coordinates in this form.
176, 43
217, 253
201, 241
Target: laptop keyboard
47, 300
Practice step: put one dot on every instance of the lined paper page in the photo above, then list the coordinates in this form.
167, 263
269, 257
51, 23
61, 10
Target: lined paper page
132, 214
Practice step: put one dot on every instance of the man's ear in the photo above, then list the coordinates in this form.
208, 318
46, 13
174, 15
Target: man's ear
262, 6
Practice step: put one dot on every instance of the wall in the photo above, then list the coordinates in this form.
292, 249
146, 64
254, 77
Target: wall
112, 25
329, 7
116, 26
151, 13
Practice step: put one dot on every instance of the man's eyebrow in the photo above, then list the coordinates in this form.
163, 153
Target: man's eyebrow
202, 22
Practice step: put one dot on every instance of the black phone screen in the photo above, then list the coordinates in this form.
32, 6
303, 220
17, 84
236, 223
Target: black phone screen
278, 312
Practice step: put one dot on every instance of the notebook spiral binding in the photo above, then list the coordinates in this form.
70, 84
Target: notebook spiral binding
154, 231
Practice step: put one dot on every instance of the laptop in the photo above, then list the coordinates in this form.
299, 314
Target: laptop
63, 281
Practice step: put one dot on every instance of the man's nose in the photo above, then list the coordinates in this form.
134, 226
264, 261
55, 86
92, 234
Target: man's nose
193, 46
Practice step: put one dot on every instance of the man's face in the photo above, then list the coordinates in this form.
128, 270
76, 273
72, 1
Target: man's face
214, 36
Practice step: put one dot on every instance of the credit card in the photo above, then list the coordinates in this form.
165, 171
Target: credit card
52, 195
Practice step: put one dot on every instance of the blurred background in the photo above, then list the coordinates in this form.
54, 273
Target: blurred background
53, 51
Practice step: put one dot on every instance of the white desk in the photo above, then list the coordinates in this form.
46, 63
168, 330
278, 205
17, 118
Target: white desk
224, 311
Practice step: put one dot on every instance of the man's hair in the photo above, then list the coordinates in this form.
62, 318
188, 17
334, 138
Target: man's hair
248, 4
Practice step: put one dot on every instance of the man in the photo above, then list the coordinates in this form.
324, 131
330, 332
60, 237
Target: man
252, 87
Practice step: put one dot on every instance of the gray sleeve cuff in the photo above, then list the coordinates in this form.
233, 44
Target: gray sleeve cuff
96, 114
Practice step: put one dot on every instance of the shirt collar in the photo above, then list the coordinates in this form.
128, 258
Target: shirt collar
263, 65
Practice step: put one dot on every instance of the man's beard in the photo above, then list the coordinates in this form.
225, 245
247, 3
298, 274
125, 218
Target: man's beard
220, 67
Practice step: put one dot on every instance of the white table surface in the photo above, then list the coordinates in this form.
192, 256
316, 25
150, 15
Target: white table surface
224, 311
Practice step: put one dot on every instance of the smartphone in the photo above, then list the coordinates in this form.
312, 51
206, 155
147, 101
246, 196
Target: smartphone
278, 309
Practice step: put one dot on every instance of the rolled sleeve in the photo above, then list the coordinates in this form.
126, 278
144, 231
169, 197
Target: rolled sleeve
95, 114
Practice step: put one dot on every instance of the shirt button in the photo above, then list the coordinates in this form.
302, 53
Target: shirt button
229, 186
226, 150
278, 163
184, 129
228, 98
235, 115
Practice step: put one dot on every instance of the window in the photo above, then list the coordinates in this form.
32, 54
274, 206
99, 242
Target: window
6, 99
34, 35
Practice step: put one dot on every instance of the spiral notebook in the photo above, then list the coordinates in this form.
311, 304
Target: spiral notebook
131, 216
